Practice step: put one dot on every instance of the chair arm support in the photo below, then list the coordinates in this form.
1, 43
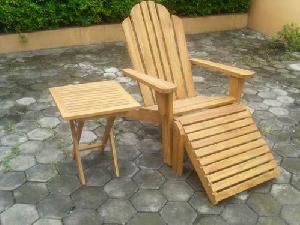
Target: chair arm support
227, 70
158, 85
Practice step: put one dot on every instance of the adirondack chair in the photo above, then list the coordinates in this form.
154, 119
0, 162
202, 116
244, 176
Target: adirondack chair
218, 133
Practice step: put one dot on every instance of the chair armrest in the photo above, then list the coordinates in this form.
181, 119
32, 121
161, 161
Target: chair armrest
228, 70
158, 85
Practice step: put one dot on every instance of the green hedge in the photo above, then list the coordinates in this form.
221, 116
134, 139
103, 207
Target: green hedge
31, 15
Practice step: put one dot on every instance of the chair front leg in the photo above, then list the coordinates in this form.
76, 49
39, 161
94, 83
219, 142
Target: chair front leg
236, 87
165, 108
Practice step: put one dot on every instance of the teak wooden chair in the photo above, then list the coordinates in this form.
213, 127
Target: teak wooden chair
219, 135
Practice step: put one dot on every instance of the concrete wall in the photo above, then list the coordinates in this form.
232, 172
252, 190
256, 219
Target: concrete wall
108, 33
268, 16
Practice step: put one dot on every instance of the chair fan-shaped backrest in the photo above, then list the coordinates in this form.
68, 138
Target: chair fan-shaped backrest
157, 46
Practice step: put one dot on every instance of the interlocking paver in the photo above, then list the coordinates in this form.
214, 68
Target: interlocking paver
6, 200
127, 168
270, 221
30, 193
55, 206
149, 179
148, 200
146, 219
291, 214
178, 213
239, 214
89, 197
264, 204
177, 191
120, 188
63, 184
210, 220
116, 211
97, 176
285, 194
41, 172
11, 180
150, 161
22, 162
19, 214
83, 216
200, 202
48, 222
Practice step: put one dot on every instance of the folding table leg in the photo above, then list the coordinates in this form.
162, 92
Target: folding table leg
109, 125
114, 152
76, 151
78, 128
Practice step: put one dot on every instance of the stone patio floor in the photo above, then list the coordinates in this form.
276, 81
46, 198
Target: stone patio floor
38, 179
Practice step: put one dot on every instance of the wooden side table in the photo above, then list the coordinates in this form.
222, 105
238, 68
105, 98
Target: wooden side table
81, 102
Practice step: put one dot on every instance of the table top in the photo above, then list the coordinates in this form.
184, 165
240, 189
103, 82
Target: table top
92, 99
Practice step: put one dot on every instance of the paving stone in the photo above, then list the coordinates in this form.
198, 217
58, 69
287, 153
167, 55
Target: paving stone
120, 188
287, 150
26, 101
169, 173
127, 139
67, 167
279, 111
148, 200
45, 157
83, 216
30, 147
177, 191
294, 66
127, 168
291, 214
13, 139
116, 211
279, 91
150, 161
200, 202
210, 220
49, 122
178, 213
267, 94
286, 99
264, 204
111, 70
26, 215
284, 177
296, 181
149, 179
22, 162
41, 172
194, 181
63, 184
88, 137
55, 206
11, 180
150, 145
292, 165
127, 152
89, 197
6, 200
146, 219
239, 214
30, 193
97, 177
48, 222
271, 102
270, 221
285, 194
40, 134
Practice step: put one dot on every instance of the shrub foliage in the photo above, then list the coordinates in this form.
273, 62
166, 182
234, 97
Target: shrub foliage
31, 15
288, 38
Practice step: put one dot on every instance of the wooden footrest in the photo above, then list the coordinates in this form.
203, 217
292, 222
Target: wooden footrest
227, 150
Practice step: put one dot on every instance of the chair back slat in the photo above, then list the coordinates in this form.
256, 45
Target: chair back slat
157, 47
